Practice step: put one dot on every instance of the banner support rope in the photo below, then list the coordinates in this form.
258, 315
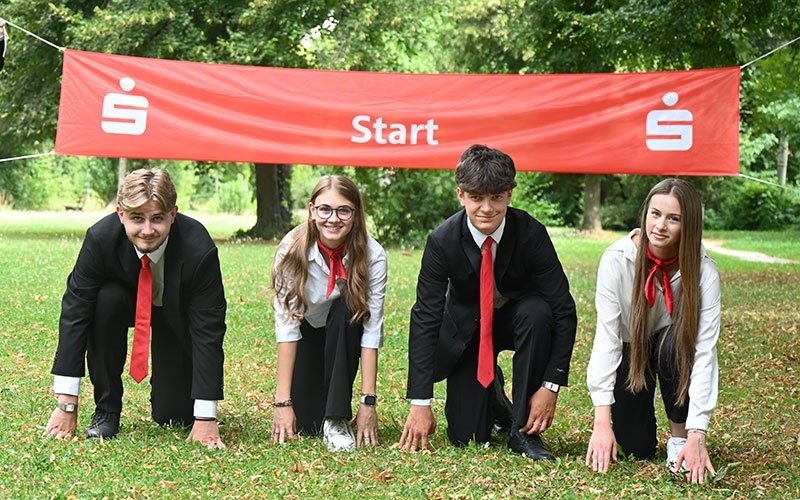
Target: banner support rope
769, 53
34, 35
3, 160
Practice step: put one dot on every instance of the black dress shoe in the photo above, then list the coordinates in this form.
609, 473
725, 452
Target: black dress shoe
501, 405
104, 425
529, 445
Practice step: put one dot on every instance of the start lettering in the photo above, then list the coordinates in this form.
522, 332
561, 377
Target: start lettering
393, 133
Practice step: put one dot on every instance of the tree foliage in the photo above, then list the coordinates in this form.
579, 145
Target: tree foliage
448, 36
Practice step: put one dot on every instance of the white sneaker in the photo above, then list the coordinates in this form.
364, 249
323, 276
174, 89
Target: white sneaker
674, 447
338, 435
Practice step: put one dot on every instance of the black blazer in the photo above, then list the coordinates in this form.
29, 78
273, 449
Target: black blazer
446, 313
194, 303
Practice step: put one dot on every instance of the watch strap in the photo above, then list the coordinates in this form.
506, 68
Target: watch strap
550, 386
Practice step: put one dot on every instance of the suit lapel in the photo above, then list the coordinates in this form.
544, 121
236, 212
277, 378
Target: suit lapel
172, 269
505, 249
471, 250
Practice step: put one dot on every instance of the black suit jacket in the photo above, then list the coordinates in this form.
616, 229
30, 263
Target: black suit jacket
194, 303
446, 314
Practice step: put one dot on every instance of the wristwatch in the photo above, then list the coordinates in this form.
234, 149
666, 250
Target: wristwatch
369, 399
550, 386
68, 407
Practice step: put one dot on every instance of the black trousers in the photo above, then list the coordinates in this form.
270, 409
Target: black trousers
325, 369
524, 326
633, 415
107, 350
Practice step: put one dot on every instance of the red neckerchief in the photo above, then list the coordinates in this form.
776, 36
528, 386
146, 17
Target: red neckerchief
650, 282
335, 263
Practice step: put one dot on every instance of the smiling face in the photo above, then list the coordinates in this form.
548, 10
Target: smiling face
332, 231
147, 226
485, 211
663, 225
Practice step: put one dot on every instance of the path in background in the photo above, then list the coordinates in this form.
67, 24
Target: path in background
716, 246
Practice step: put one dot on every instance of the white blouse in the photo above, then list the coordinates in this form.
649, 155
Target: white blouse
613, 304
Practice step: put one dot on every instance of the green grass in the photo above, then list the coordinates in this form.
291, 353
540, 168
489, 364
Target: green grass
757, 423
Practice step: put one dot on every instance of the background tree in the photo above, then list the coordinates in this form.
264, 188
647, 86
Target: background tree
442, 36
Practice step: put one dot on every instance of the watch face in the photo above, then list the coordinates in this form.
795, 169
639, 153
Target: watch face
369, 400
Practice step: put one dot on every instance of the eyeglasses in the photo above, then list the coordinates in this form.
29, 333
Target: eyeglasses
344, 213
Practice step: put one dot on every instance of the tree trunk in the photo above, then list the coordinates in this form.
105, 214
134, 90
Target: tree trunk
122, 171
273, 199
783, 158
591, 203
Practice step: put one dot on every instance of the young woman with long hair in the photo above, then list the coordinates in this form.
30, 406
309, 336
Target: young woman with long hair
329, 278
658, 321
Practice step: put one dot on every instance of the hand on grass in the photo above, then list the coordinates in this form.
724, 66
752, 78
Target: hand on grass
419, 425
62, 424
284, 423
694, 457
602, 448
541, 411
207, 434
367, 425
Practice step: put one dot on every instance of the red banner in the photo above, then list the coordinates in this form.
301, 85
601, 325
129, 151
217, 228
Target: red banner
664, 123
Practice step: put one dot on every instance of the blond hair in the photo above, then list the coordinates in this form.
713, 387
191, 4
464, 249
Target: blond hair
142, 186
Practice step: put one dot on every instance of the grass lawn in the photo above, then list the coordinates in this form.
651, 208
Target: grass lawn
753, 440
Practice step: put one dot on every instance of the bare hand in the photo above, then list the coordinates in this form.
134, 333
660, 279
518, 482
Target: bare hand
602, 448
694, 457
61, 424
541, 411
207, 434
284, 423
367, 425
419, 425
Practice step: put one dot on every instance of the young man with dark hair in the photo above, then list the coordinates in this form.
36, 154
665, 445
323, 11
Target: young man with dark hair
490, 280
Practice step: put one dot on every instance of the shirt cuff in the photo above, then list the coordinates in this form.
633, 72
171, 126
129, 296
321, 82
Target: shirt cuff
67, 385
205, 408
420, 402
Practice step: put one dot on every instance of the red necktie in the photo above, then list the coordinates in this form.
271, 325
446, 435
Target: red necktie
141, 329
486, 347
336, 265
650, 282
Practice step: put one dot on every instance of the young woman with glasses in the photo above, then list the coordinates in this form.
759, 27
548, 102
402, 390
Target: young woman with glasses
329, 278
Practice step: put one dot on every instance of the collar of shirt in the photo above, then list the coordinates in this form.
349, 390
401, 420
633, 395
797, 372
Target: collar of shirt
157, 267
479, 237
156, 254
314, 255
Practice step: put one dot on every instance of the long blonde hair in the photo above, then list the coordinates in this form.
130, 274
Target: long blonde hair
289, 276
686, 315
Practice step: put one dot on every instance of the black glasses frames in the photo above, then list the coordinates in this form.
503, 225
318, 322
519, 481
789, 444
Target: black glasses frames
344, 213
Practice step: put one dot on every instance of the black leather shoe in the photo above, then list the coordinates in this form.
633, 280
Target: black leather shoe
529, 445
501, 405
104, 425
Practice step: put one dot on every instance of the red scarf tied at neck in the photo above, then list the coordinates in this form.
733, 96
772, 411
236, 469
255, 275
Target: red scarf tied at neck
335, 264
650, 282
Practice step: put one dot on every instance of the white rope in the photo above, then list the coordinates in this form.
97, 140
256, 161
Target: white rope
769, 53
761, 181
34, 35
3, 160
